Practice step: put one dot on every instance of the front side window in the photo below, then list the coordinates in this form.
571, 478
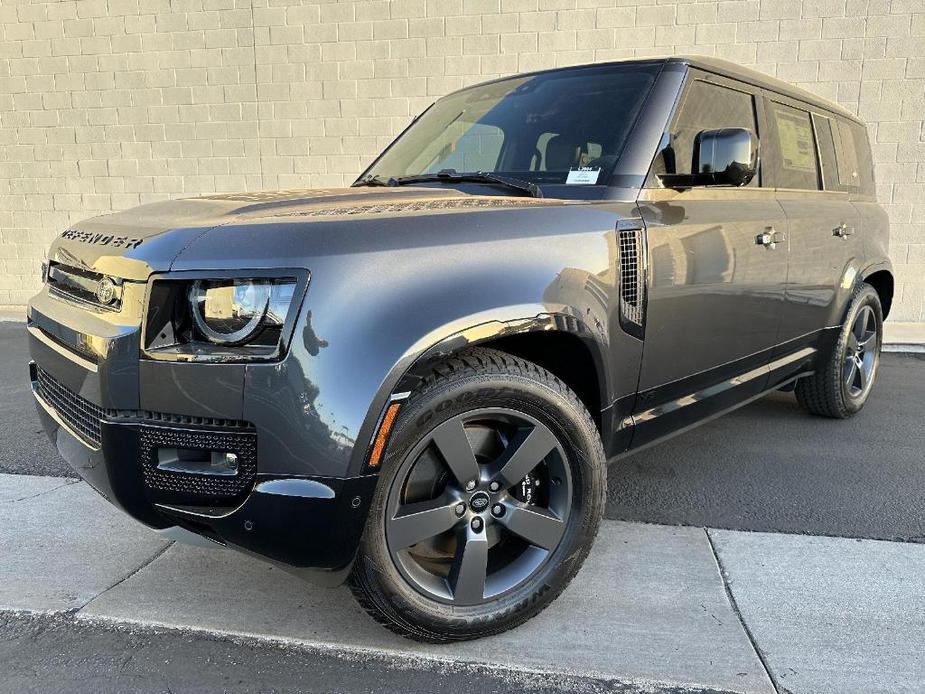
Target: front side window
707, 106
542, 128
797, 166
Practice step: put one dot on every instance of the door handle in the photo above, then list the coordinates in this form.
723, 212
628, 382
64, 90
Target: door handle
842, 231
769, 238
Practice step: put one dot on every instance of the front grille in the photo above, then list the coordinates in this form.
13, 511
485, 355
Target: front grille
80, 285
81, 415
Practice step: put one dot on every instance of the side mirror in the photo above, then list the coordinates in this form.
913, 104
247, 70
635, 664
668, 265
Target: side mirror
728, 156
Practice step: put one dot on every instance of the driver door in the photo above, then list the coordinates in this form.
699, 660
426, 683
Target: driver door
717, 273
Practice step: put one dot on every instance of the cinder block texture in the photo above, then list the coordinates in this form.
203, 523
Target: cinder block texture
105, 104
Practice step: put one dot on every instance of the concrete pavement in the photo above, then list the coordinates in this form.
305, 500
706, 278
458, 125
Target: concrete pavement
831, 615
655, 606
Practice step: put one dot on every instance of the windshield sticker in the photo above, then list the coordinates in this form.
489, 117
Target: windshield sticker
584, 175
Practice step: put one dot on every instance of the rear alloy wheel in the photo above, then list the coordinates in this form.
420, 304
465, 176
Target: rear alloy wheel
491, 495
862, 353
843, 381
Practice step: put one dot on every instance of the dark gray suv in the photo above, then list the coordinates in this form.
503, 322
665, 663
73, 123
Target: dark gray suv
415, 384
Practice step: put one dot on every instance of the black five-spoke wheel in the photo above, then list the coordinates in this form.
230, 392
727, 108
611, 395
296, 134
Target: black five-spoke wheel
490, 494
861, 352
478, 505
845, 374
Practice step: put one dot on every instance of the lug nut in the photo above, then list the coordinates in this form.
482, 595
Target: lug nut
460, 508
470, 485
497, 510
477, 524
494, 486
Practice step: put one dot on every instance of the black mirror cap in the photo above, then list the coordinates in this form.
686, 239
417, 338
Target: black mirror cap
727, 156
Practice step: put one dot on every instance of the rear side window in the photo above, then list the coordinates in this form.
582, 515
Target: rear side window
797, 166
825, 138
707, 106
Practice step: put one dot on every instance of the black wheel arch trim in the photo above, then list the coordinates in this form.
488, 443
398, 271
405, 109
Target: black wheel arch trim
408, 371
883, 266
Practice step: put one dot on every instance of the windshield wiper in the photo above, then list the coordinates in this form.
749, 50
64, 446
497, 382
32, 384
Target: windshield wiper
453, 176
375, 180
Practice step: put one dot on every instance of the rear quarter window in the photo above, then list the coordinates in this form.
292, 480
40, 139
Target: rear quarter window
844, 153
856, 134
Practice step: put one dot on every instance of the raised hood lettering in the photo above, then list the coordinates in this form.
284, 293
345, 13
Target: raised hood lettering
127, 242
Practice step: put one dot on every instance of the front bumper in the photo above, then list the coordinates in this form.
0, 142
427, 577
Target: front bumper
299, 521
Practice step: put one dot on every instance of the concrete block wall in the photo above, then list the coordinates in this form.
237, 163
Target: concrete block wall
105, 104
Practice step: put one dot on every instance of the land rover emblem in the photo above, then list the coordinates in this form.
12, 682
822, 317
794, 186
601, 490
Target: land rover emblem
105, 291
479, 502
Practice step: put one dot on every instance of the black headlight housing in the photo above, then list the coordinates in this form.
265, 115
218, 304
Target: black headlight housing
227, 317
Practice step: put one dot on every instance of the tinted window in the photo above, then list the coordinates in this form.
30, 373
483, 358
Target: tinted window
855, 163
706, 106
847, 156
535, 127
825, 137
796, 152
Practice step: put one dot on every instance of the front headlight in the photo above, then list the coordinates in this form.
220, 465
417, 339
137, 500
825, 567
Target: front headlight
229, 312
227, 319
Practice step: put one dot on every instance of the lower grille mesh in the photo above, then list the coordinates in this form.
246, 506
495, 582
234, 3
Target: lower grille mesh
155, 431
184, 487
81, 415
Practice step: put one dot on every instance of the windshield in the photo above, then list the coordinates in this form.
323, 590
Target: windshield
562, 127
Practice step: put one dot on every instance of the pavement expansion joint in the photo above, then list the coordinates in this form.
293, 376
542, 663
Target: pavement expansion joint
145, 564
738, 613
43, 492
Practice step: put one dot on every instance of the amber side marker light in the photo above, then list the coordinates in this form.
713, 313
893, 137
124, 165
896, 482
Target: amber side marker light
382, 437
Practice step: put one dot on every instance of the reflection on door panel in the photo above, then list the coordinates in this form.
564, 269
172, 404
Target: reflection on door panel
715, 294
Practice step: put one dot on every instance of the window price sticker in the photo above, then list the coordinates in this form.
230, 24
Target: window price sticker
584, 175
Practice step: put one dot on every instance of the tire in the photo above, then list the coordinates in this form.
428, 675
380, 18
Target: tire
497, 403
844, 380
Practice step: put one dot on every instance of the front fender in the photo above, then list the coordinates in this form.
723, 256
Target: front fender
317, 410
374, 307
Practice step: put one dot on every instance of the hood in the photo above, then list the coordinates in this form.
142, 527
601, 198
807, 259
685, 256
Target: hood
134, 243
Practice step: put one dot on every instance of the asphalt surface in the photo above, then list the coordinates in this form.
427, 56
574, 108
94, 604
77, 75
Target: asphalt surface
771, 467
766, 467
41, 653
24, 447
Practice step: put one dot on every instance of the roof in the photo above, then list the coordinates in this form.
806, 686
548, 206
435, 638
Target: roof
709, 64
759, 79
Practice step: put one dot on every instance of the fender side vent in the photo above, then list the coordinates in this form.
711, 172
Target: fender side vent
632, 281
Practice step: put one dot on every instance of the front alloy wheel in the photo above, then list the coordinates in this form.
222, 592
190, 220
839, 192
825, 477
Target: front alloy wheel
490, 496
478, 505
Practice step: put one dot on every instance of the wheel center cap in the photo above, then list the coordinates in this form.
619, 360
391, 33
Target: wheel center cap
479, 501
